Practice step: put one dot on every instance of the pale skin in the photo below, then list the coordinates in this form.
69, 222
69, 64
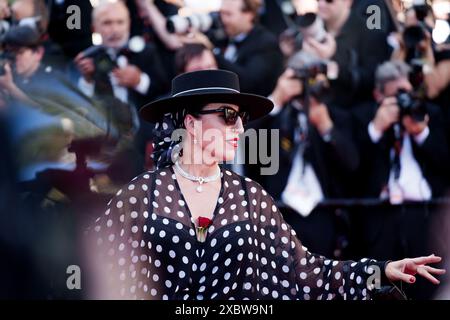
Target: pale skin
203, 204
235, 21
112, 22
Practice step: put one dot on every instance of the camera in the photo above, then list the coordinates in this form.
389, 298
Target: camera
103, 62
209, 23
411, 105
314, 76
308, 25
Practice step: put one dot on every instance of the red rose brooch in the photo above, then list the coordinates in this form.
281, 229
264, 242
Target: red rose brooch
202, 228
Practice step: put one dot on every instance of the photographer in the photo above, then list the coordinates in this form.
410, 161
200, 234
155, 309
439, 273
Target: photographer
252, 51
399, 115
317, 154
404, 157
129, 71
356, 50
35, 14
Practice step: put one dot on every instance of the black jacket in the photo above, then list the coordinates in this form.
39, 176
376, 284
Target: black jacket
74, 40
333, 162
359, 51
259, 62
432, 155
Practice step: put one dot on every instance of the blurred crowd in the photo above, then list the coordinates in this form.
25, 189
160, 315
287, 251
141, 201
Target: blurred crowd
361, 90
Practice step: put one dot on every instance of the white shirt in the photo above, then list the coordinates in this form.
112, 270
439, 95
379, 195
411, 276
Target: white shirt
411, 185
230, 53
120, 92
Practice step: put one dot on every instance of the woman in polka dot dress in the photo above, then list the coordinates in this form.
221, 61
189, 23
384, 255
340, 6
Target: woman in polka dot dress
152, 247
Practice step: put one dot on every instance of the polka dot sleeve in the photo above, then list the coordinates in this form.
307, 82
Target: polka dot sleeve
315, 276
119, 242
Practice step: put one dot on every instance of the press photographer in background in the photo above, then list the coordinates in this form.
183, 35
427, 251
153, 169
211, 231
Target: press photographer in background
317, 155
240, 43
404, 156
20, 64
429, 60
350, 44
126, 69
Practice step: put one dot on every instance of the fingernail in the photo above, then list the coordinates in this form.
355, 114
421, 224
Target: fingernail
411, 280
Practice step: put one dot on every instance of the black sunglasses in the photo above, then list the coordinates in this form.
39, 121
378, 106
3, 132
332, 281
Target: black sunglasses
229, 114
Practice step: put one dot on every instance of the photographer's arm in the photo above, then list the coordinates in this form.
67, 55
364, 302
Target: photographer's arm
8, 86
158, 22
287, 88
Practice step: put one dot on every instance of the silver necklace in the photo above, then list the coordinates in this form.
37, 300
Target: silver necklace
200, 180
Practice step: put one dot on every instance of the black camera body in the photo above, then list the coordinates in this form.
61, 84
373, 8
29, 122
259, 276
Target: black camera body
307, 25
311, 71
314, 85
411, 105
103, 62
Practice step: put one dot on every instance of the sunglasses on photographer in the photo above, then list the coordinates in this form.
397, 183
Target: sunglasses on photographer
229, 114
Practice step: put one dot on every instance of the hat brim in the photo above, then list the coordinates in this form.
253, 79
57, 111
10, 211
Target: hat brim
256, 106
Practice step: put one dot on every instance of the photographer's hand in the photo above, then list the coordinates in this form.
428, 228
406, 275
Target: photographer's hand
324, 50
6, 80
414, 127
128, 76
287, 88
387, 114
85, 66
9, 87
320, 117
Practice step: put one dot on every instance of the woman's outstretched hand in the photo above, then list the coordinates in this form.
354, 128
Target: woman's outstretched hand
406, 269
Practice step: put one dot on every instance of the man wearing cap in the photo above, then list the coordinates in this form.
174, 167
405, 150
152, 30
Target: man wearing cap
21, 66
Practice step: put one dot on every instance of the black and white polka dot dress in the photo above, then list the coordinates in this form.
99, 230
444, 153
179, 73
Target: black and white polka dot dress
147, 241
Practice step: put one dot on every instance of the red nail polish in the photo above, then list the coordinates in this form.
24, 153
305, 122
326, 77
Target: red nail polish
411, 280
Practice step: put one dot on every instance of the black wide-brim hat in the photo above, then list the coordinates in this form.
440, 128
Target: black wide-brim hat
203, 87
